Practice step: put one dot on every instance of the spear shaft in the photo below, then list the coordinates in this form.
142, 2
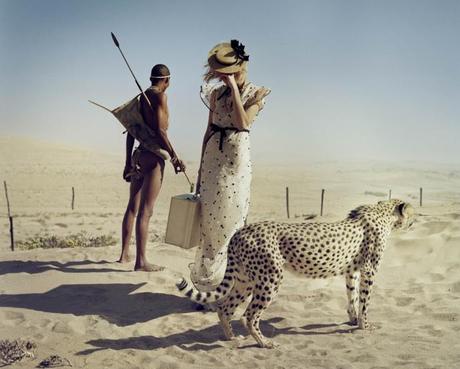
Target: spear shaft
117, 44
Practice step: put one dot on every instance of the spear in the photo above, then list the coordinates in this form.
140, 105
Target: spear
117, 44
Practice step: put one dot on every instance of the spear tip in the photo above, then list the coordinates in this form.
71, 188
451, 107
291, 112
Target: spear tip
115, 40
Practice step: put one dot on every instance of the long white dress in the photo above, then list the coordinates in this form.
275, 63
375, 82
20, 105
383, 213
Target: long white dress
225, 186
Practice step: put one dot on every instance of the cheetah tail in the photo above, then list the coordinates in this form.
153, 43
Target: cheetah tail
193, 294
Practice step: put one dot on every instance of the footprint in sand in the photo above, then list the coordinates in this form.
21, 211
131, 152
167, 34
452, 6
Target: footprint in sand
434, 227
61, 327
437, 277
365, 358
303, 345
338, 346
405, 357
453, 269
453, 216
18, 317
39, 337
432, 331
455, 287
445, 317
415, 290
315, 352
44, 323
404, 301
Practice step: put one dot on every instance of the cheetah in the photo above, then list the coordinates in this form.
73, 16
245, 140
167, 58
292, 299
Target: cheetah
258, 252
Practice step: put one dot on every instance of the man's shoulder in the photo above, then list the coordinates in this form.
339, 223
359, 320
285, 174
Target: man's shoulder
156, 95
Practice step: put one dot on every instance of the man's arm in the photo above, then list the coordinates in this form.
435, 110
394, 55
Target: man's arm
129, 148
162, 117
159, 122
129, 151
156, 116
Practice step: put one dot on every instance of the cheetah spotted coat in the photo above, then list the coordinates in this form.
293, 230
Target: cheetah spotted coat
258, 253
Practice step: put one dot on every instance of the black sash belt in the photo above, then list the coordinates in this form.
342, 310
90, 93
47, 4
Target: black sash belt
223, 133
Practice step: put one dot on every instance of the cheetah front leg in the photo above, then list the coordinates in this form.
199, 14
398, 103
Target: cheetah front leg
365, 288
352, 284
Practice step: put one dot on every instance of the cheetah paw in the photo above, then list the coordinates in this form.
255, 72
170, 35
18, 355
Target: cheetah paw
368, 327
234, 343
353, 321
268, 344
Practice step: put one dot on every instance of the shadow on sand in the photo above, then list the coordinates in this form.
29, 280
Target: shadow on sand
113, 302
34, 267
209, 338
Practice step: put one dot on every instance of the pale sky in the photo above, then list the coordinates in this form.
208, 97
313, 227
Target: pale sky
350, 80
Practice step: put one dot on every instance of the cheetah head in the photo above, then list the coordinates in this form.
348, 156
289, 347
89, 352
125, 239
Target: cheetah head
404, 215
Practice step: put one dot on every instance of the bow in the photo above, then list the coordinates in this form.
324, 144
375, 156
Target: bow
238, 47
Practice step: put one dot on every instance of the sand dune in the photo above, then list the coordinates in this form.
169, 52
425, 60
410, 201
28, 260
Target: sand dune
78, 304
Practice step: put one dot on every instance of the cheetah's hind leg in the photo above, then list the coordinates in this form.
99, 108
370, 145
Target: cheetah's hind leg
226, 309
365, 289
352, 285
225, 324
263, 295
243, 320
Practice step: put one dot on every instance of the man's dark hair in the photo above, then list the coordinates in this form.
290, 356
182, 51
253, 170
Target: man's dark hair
159, 70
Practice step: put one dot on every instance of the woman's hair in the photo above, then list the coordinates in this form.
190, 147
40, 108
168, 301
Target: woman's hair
210, 74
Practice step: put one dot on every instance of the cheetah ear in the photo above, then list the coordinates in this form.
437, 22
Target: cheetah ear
405, 209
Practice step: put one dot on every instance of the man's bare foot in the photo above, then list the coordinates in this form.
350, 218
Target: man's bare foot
149, 268
124, 259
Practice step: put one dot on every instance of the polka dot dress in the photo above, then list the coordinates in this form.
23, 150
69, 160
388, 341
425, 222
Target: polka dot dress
225, 189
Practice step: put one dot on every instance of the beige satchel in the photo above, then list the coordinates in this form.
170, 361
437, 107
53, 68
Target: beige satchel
183, 228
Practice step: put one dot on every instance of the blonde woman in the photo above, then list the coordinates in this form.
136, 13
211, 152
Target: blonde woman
224, 177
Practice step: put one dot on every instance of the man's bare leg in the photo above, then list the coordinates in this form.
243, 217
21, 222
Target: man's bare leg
128, 219
149, 193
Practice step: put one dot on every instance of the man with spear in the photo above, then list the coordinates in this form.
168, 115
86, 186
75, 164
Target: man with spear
146, 119
144, 168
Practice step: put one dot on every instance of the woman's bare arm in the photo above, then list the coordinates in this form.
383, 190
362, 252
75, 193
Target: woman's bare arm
244, 117
207, 135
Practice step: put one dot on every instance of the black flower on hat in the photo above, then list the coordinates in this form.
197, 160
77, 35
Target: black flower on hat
238, 47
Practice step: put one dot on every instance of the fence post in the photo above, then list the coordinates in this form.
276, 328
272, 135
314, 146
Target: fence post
421, 196
322, 201
10, 218
73, 197
287, 201
389, 195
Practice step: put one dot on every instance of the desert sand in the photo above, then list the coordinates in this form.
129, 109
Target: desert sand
79, 304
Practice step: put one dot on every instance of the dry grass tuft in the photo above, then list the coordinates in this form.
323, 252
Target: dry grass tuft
69, 241
14, 351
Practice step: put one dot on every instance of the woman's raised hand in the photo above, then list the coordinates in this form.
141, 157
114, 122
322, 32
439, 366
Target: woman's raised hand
229, 80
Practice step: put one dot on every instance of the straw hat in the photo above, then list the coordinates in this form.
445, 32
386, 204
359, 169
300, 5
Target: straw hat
227, 57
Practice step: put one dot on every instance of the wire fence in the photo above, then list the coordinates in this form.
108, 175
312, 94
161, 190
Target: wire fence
107, 203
